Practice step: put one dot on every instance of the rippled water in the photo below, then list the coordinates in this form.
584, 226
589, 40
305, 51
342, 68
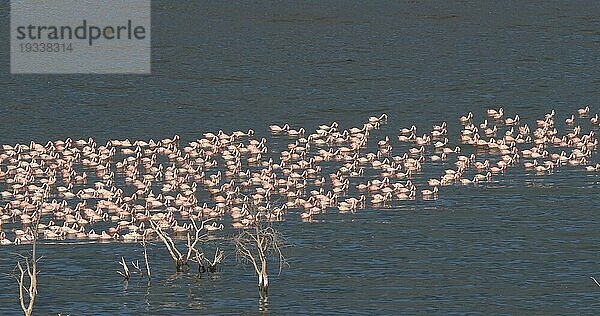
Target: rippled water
522, 245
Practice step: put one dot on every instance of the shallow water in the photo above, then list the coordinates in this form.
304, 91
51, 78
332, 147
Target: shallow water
520, 245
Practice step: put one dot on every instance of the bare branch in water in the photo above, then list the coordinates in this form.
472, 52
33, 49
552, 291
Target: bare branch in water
595, 281
260, 245
146, 256
126, 274
218, 258
136, 265
29, 269
181, 260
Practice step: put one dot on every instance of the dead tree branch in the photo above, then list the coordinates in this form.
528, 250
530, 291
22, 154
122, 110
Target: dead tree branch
29, 270
146, 256
218, 258
126, 274
258, 246
181, 260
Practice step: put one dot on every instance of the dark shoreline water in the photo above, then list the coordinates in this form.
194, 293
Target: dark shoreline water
523, 245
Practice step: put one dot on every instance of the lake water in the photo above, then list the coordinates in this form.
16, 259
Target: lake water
519, 245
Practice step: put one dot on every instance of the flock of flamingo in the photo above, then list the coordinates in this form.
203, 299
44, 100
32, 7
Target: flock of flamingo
82, 190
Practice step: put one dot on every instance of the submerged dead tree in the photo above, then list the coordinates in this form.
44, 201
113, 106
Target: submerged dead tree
146, 257
182, 259
258, 246
28, 272
126, 274
211, 265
